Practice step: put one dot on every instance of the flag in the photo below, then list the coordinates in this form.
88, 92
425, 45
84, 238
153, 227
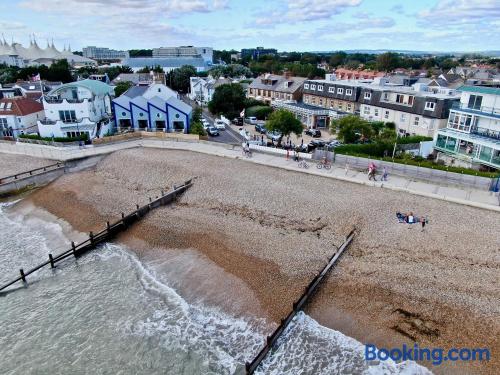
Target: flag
242, 114
36, 78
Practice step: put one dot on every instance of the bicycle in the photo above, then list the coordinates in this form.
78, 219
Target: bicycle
303, 164
247, 153
324, 164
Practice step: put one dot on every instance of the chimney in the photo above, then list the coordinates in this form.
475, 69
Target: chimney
287, 74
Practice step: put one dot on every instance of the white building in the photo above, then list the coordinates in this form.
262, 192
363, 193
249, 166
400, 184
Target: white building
102, 53
416, 110
166, 63
19, 115
151, 108
202, 89
472, 134
206, 53
77, 108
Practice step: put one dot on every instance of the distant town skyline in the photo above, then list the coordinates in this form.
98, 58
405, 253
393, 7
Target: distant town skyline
287, 25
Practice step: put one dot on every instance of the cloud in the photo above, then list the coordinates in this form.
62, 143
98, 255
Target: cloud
460, 12
165, 8
304, 10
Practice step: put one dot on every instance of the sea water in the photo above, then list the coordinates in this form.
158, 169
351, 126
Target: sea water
108, 312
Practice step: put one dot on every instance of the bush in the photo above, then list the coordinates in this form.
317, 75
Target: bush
261, 112
197, 128
83, 137
413, 139
251, 102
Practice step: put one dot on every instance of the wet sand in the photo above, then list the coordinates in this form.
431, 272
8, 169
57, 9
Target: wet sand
273, 230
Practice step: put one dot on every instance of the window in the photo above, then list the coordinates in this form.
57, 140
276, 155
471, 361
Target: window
400, 98
376, 112
313, 100
348, 91
320, 87
320, 101
403, 116
475, 102
429, 106
9, 106
366, 110
368, 95
124, 114
410, 100
67, 116
416, 121
2, 106
460, 122
3, 122
332, 90
313, 87
386, 96
340, 90
386, 114
306, 86
349, 107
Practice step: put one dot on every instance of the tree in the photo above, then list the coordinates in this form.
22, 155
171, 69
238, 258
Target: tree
197, 128
337, 58
178, 79
121, 87
284, 122
352, 128
60, 71
387, 61
228, 99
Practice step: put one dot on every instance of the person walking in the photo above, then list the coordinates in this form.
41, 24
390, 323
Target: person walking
384, 174
422, 221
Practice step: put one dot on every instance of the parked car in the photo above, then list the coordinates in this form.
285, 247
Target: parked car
314, 144
260, 129
275, 136
238, 121
332, 143
315, 133
219, 124
251, 120
213, 131
206, 125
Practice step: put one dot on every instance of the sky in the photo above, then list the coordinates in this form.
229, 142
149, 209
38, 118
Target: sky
287, 25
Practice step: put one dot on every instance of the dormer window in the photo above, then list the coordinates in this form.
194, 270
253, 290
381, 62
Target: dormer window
348, 92
340, 91
320, 87
313, 87
367, 96
429, 106
332, 90
306, 86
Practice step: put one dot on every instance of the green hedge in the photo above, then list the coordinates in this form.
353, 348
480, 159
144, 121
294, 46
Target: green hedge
83, 137
421, 163
261, 112
413, 139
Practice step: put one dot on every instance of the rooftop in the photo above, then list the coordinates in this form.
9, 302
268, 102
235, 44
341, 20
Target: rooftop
19, 106
481, 90
96, 87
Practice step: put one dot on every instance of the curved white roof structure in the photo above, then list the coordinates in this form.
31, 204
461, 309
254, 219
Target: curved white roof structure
41, 55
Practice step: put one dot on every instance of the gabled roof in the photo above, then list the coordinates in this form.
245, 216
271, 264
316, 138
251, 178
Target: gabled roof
19, 106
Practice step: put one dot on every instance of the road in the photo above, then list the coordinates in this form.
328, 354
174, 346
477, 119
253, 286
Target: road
225, 136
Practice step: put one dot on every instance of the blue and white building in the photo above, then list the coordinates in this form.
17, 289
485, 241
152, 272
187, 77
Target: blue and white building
151, 108
472, 134
77, 108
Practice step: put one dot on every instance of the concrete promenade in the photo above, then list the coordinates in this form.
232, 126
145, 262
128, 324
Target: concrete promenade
459, 195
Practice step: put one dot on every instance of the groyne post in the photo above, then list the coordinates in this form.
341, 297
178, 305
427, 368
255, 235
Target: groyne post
51, 260
23, 276
73, 248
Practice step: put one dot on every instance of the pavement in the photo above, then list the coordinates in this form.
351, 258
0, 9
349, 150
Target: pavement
461, 195
467, 196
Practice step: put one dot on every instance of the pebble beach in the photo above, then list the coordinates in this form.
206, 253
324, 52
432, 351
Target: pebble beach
274, 230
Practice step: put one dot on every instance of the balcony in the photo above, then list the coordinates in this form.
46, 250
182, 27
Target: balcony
483, 111
57, 100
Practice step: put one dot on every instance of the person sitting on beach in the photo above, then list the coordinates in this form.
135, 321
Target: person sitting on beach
411, 218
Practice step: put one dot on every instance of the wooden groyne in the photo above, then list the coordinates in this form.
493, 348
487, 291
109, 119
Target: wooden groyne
18, 176
271, 341
107, 233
